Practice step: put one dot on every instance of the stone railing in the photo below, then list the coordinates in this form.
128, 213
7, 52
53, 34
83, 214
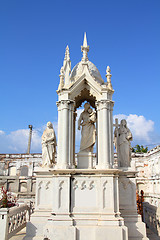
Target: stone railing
152, 198
151, 216
12, 220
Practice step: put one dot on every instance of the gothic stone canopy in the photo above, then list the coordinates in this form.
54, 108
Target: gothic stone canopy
84, 82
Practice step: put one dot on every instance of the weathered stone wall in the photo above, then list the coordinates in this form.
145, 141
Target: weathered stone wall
17, 173
147, 166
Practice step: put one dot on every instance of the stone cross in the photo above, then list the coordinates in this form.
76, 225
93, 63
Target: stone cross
116, 125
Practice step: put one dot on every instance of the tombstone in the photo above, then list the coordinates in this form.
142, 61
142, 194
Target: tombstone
24, 171
83, 201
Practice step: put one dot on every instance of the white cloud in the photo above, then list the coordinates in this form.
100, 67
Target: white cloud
17, 141
141, 128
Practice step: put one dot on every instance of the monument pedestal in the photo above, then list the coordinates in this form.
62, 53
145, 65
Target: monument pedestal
128, 206
85, 160
85, 204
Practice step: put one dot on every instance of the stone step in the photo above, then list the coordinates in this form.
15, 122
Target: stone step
20, 235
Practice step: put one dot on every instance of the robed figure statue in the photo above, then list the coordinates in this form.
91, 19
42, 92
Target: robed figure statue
87, 120
48, 146
122, 138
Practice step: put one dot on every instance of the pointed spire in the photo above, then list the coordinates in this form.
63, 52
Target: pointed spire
67, 55
67, 66
85, 49
85, 40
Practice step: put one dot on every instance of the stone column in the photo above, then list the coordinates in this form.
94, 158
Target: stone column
106, 144
71, 134
105, 132
99, 133
111, 134
65, 134
59, 148
74, 136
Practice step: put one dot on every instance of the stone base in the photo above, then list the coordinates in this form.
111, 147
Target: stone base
35, 227
82, 204
136, 228
128, 207
85, 160
86, 232
60, 232
34, 238
102, 233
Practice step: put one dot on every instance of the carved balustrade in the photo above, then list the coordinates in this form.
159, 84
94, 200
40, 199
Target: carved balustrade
13, 220
151, 216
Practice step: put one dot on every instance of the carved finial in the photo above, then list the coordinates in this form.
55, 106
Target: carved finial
85, 40
85, 49
61, 84
67, 66
108, 76
67, 55
61, 72
108, 71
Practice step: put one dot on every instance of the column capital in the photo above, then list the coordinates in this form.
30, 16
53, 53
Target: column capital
65, 104
111, 105
102, 104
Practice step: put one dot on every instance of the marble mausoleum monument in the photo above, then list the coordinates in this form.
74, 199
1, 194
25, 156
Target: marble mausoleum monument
78, 198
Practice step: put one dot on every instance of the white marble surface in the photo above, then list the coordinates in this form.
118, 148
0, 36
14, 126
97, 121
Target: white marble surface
48, 146
85, 203
85, 160
86, 123
84, 83
77, 200
122, 138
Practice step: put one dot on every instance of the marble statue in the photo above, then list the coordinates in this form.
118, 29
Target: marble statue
122, 138
87, 120
48, 146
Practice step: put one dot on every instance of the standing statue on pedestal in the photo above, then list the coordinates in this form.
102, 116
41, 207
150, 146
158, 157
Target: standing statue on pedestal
122, 138
48, 146
87, 120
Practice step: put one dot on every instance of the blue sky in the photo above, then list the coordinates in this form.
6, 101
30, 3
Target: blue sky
33, 35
